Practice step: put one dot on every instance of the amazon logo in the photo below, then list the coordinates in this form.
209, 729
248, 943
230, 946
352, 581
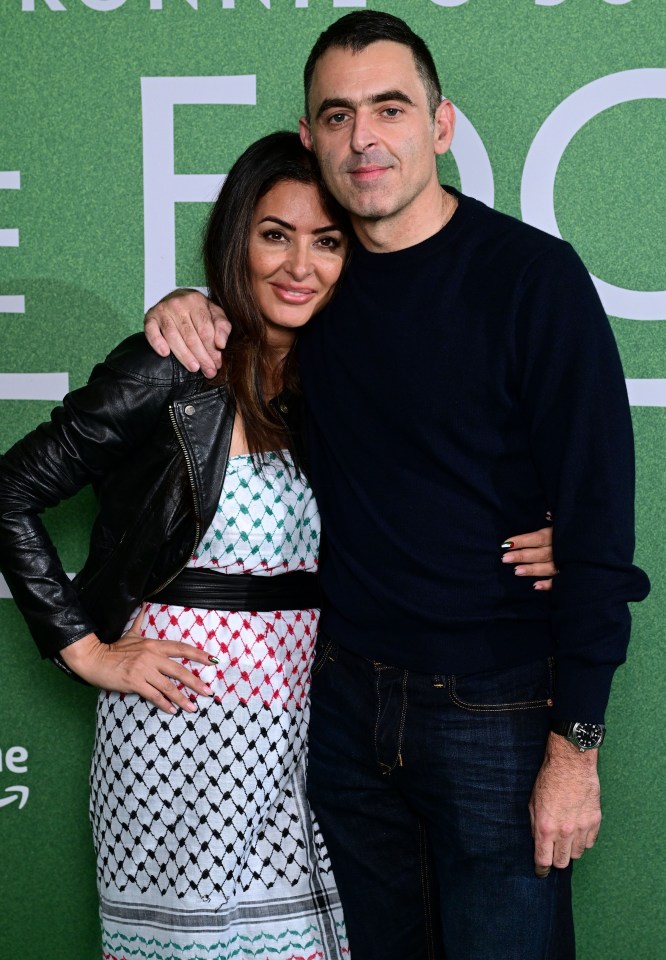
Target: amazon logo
14, 760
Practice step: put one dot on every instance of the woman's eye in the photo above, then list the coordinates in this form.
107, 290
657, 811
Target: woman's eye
273, 235
329, 243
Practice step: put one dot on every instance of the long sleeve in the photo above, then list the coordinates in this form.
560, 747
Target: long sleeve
97, 427
582, 444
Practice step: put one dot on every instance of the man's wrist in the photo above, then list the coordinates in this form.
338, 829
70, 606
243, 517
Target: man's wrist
583, 736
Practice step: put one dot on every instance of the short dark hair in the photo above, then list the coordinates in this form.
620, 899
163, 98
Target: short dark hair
277, 158
358, 30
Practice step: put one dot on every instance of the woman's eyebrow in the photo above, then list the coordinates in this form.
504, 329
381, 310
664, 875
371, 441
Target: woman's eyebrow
283, 223
290, 226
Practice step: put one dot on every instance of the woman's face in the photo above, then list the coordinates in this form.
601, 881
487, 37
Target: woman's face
295, 256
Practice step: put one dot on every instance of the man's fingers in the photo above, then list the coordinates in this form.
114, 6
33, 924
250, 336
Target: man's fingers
543, 858
222, 327
198, 333
173, 336
154, 335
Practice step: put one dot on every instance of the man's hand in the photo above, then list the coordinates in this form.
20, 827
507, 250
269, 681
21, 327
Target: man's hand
136, 665
533, 555
565, 806
190, 326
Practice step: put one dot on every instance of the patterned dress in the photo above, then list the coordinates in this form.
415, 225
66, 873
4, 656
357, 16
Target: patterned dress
206, 848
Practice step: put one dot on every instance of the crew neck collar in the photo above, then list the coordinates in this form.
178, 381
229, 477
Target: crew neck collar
433, 244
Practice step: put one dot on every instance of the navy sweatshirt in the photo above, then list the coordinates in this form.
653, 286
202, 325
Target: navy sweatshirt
457, 390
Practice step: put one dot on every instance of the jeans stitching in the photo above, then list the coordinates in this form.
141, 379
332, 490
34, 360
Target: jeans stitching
499, 707
425, 887
321, 660
386, 769
379, 704
403, 718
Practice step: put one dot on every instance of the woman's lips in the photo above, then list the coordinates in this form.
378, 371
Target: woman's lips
293, 294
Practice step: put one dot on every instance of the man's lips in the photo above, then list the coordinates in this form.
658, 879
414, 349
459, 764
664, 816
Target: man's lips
292, 293
371, 172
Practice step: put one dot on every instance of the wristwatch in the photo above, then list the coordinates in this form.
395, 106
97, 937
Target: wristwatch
585, 736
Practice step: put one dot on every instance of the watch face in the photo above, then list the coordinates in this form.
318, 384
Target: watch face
587, 735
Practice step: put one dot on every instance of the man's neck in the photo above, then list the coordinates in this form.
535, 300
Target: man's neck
423, 218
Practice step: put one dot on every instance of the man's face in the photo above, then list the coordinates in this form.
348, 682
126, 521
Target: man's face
371, 129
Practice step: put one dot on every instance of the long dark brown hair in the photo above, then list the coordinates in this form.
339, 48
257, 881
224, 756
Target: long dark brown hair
247, 371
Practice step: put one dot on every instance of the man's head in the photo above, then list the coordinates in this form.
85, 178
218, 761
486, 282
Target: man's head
376, 121
356, 31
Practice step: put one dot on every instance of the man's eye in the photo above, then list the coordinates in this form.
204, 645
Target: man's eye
392, 112
337, 118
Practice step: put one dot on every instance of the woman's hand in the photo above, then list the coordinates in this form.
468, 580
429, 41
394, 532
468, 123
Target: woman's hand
135, 664
194, 329
532, 554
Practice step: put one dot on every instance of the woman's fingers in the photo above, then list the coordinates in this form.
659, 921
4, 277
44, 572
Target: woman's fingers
184, 677
536, 538
531, 554
543, 585
535, 570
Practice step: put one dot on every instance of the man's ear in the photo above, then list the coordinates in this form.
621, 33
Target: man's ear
445, 122
306, 135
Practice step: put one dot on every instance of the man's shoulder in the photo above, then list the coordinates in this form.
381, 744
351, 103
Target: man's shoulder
511, 234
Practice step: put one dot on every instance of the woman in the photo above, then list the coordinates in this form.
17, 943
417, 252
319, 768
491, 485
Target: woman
205, 846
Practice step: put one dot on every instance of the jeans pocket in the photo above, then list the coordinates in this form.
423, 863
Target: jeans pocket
525, 687
326, 651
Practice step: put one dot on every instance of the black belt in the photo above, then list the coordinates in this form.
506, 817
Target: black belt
209, 590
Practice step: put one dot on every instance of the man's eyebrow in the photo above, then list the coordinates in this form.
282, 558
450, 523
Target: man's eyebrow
290, 226
343, 103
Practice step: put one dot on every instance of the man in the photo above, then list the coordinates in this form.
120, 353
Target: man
463, 381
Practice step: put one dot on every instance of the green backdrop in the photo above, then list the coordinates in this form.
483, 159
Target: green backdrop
106, 162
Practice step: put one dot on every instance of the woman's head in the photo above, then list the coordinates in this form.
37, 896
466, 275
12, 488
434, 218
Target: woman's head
274, 246
273, 229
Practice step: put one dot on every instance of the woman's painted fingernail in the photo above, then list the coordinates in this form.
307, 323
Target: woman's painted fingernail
207, 690
519, 571
214, 660
507, 544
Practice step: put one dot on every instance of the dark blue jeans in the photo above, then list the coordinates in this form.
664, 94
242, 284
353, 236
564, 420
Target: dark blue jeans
421, 787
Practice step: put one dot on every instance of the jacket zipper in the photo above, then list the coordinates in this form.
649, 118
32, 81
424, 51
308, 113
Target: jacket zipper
190, 475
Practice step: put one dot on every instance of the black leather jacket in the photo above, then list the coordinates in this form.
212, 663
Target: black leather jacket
153, 439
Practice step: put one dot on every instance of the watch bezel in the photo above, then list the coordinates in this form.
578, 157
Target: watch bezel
584, 736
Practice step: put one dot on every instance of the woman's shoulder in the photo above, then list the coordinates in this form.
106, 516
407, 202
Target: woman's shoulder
135, 358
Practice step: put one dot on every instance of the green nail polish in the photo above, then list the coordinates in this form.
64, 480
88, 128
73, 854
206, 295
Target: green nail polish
214, 660
507, 544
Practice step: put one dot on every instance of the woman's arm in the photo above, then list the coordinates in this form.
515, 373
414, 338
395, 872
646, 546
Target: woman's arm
96, 428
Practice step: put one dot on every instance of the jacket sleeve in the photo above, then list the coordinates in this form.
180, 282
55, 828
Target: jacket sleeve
96, 427
582, 443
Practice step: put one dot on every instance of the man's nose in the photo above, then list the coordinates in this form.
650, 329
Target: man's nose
363, 132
